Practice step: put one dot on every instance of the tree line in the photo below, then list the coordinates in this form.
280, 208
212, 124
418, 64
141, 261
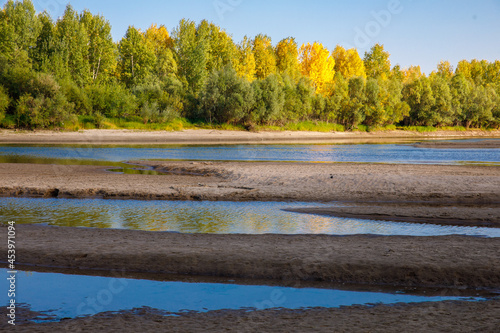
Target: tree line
53, 73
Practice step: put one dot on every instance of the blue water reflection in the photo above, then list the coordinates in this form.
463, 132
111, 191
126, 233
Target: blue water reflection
69, 296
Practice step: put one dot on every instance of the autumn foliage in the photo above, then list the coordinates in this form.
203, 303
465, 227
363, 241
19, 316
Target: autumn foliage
54, 73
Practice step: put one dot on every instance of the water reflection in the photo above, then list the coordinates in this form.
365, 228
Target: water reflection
371, 153
77, 295
209, 217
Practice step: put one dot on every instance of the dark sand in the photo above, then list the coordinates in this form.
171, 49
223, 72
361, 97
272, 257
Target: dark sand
425, 317
480, 216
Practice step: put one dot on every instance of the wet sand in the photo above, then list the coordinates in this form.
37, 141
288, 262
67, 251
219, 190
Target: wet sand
459, 144
449, 261
425, 317
97, 137
480, 216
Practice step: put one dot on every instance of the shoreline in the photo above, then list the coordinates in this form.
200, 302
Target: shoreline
206, 137
399, 261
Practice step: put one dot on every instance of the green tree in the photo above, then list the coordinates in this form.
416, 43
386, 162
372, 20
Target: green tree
137, 57
269, 100
377, 63
102, 53
19, 27
374, 112
226, 98
418, 94
72, 48
391, 97
4, 102
352, 114
442, 110
192, 54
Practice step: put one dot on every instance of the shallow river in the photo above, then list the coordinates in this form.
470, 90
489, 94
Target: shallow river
371, 153
209, 217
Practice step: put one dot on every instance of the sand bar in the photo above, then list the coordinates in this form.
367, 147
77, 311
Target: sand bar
450, 261
261, 181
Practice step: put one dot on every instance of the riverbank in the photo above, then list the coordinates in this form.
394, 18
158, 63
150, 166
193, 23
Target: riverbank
373, 260
425, 317
97, 137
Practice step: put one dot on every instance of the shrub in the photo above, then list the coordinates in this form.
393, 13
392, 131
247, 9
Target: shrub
4, 102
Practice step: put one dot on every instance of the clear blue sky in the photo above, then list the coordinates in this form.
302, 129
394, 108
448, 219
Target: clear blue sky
418, 32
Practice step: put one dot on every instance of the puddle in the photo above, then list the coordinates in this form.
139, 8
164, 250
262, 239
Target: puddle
210, 218
56, 296
135, 171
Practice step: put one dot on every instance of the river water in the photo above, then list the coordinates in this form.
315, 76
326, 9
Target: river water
366, 153
210, 218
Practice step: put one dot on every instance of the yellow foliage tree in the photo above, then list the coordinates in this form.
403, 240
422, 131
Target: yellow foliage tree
160, 41
159, 37
265, 60
317, 64
245, 60
445, 69
411, 74
348, 63
287, 57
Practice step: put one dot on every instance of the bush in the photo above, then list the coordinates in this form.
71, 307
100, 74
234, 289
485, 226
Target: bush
226, 98
78, 96
112, 100
4, 102
41, 112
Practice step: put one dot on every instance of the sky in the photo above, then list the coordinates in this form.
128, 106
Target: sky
414, 32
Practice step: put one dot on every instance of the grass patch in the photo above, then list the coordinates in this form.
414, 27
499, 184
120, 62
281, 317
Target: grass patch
309, 126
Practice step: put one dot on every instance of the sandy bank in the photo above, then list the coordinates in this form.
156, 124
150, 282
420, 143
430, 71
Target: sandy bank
262, 181
451, 261
426, 317
96, 137
483, 216
459, 144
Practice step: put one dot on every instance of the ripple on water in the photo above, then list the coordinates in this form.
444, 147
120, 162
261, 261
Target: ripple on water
210, 218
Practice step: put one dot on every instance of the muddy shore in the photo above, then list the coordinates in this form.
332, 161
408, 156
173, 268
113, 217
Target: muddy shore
425, 317
96, 137
396, 261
